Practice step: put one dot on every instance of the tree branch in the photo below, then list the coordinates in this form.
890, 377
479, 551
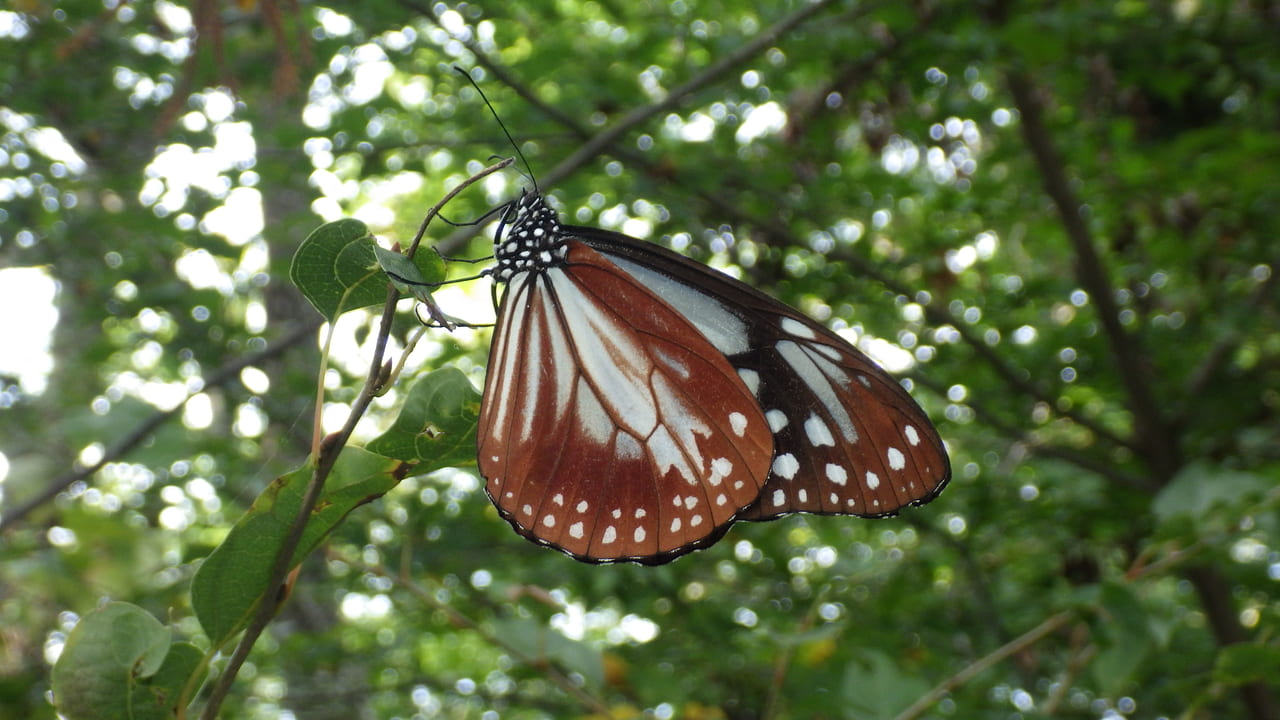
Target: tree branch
1160, 448
607, 139
137, 435
326, 456
1026, 640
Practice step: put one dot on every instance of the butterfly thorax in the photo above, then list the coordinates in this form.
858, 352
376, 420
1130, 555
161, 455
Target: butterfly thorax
533, 242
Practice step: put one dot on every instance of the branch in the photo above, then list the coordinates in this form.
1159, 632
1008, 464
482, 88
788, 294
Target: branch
1026, 640
326, 456
135, 437
1160, 448
938, 315
1017, 434
325, 460
767, 38
1222, 350
607, 139
459, 619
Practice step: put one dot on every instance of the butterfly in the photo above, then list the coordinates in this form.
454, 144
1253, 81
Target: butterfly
637, 403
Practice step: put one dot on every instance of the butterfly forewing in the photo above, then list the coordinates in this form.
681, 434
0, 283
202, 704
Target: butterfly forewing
612, 428
848, 439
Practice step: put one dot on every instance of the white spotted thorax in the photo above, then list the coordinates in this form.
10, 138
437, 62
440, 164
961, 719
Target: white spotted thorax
534, 240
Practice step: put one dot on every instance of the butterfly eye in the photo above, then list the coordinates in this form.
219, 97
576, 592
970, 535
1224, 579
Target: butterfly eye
637, 403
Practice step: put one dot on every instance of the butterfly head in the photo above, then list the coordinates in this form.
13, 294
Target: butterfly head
529, 238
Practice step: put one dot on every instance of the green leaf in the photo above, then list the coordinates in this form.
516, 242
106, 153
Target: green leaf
336, 270
1200, 487
158, 697
875, 687
437, 425
1124, 636
340, 267
412, 277
110, 651
233, 578
535, 641
1246, 663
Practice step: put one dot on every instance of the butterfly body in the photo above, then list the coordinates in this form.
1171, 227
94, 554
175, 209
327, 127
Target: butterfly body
638, 402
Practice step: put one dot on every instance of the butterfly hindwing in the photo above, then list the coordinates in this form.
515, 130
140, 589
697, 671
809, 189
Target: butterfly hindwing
848, 438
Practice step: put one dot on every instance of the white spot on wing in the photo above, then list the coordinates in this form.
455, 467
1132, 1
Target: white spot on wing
527, 509
751, 379
739, 423
897, 460
675, 525
549, 521
786, 465
829, 352
558, 499
777, 420
837, 474
779, 497
639, 534
639, 513
913, 437
720, 468
582, 506
575, 530
610, 534
803, 495
873, 480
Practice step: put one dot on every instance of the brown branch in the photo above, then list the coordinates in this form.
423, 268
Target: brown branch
457, 618
1222, 350
938, 315
326, 457
1215, 597
139, 434
607, 139
1026, 640
726, 64
1159, 446
1019, 434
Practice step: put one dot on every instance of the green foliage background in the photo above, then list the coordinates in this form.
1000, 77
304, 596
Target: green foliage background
1068, 213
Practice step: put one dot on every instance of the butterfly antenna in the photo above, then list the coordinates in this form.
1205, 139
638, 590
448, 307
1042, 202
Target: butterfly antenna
502, 125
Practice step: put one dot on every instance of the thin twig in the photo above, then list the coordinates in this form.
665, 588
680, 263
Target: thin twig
783, 661
326, 457
459, 619
325, 461
1217, 356
1026, 640
435, 209
938, 315
607, 139
142, 431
